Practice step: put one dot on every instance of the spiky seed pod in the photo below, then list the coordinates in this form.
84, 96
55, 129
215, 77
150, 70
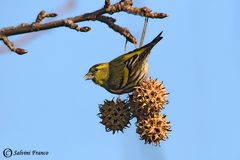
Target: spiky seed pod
153, 129
139, 110
152, 93
149, 97
115, 116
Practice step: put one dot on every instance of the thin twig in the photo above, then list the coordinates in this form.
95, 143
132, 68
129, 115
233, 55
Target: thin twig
107, 3
123, 31
69, 23
43, 15
10, 45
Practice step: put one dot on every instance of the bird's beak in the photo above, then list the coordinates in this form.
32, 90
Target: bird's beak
89, 76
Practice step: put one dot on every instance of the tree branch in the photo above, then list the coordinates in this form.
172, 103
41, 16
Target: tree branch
26, 38
98, 15
123, 31
10, 45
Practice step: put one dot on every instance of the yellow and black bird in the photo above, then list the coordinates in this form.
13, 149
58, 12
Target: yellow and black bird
125, 72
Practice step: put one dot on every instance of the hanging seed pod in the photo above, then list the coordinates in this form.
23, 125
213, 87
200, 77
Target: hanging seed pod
153, 129
147, 98
115, 116
140, 110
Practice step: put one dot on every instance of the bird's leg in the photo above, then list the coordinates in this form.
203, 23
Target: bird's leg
118, 98
144, 31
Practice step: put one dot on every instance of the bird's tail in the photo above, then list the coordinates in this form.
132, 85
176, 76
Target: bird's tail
143, 51
151, 44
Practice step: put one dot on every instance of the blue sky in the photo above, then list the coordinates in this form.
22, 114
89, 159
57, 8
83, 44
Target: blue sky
47, 105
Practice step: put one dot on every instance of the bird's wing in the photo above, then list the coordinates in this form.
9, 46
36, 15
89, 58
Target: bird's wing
122, 67
131, 59
118, 75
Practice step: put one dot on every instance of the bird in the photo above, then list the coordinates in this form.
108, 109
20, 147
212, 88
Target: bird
124, 73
